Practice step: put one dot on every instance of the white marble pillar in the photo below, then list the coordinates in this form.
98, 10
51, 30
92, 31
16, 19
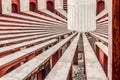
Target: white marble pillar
6, 6
42, 4
82, 15
24, 5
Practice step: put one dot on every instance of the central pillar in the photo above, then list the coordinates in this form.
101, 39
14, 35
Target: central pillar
82, 15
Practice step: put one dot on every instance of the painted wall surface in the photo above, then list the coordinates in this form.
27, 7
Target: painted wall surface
15, 2
24, 5
0, 6
46, 5
6, 6
42, 4
101, 57
35, 1
116, 39
58, 4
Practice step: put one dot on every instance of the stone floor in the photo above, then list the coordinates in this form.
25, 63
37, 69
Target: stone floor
78, 70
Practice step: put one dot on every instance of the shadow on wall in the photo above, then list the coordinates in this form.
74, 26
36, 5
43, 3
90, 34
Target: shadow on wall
100, 6
50, 6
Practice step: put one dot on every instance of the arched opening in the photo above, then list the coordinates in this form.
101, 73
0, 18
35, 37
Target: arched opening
32, 6
100, 6
46, 70
14, 8
50, 6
